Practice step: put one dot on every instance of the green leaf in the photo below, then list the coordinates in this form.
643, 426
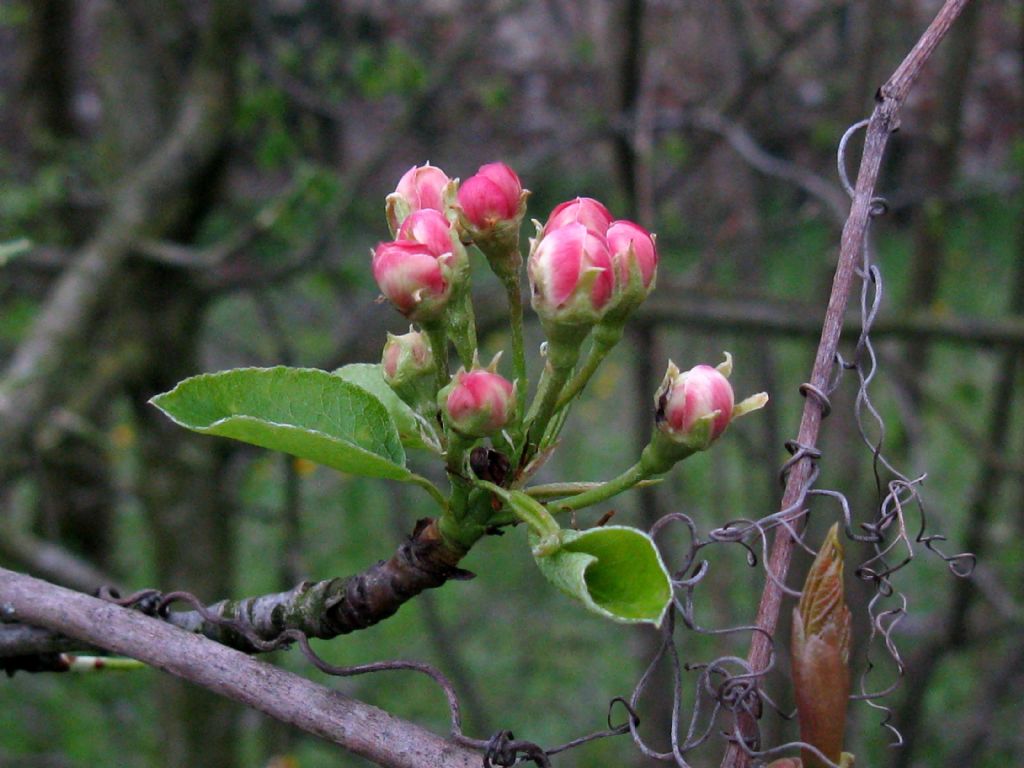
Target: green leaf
615, 571
413, 429
302, 411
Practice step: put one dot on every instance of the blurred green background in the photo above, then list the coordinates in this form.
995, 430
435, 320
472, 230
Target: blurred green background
201, 182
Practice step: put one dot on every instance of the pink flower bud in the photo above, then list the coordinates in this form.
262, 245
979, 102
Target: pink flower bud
411, 278
478, 403
407, 356
491, 196
570, 272
692, 409
699, 396
583, 210
430, 228
422, 187
629, 243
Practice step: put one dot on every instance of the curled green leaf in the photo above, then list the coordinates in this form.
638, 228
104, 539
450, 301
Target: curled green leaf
615, 571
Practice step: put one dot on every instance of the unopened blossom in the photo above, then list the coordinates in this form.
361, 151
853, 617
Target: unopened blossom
692, 410
490, 208
409, 369
634, 259
412, 278
406, 356
570, 275
700, 396
430, 228
421, 187
478, 403
492, 195
582, 210
419, 271
629, 244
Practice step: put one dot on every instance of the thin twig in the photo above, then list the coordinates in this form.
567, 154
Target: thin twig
761, 160
884, 120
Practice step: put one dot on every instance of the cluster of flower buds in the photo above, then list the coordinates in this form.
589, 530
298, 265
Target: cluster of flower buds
586, 269
584, 266
587, 272
420, 270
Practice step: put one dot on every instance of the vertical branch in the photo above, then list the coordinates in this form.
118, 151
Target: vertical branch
884, 120
630, 74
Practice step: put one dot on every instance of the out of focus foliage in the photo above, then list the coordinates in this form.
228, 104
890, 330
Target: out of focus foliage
333, 101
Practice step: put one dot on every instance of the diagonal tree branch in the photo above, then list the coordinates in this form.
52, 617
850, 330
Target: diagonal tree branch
358, 727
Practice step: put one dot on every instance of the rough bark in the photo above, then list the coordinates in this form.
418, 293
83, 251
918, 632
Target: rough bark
333, 607
323, 609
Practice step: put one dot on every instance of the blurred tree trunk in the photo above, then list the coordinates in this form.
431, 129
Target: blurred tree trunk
182, 483
76, 494
183, 489
629, 76
657, 704
937, 164
867, 33
48, 88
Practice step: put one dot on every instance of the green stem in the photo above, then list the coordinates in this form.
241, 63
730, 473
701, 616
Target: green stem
628, 479
430, 488
455, 463
437, 335
462, 327
605, 339
563, 352
549, 491
101, 663
552, 381
515, 312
